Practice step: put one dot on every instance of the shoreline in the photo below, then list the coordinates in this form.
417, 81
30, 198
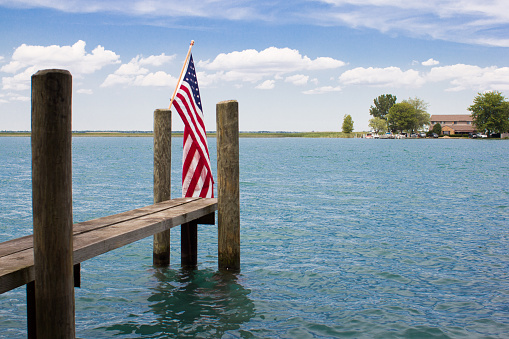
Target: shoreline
209, 134
138, 134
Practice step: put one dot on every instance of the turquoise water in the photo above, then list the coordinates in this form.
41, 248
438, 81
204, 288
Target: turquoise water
344, 238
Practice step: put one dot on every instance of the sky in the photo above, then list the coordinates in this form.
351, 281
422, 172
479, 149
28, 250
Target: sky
298, 65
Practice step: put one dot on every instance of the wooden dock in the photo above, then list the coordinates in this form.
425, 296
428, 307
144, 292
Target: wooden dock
48, 262
98, 236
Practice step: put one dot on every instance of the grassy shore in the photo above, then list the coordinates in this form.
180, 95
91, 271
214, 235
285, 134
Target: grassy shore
210, 134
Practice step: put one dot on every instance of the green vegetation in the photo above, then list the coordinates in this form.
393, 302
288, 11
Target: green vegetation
401, 117
347, 126
378, 125
490, 113
382, 106
409, 116
421, 113
437, 128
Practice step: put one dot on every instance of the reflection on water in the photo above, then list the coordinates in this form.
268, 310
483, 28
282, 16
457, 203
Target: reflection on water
191, 303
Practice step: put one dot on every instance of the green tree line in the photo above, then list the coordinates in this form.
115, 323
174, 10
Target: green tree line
490, 114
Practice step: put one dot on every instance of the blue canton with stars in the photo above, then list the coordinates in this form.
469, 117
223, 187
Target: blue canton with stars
191, 79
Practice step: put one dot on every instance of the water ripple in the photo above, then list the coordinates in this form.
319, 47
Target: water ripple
340, 238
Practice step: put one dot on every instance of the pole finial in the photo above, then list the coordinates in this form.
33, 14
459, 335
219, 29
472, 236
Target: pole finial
192, 42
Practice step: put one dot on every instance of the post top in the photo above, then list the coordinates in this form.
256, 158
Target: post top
46, 71
226, 102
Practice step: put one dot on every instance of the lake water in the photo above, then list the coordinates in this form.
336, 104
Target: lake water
345, 238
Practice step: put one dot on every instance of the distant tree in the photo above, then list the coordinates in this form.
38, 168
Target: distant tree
382, 105
490, 112
421, 113
347, 124
401, 117
378, 124
437, 128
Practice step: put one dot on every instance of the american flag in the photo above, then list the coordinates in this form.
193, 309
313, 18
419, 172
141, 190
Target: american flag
197, 178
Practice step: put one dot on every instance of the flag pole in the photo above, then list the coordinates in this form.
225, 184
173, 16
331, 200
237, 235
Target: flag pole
181, 72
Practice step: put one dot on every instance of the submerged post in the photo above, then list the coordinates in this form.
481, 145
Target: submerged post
162, 180
189, 245
227, 115
52, 203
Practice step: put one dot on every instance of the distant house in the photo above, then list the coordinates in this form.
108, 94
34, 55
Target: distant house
454, 124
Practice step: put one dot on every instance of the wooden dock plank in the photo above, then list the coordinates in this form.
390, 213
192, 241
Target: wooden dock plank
15, 245
23, 243
16, 270
98, 236
96, 242
126, 216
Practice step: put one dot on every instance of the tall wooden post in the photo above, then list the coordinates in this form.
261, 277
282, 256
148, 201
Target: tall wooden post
52, 203
227, 115
162, 180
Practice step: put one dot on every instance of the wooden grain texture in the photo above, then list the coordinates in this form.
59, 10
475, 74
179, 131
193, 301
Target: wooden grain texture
20, 244
162, 180
228, 185
16, 245
98, 236
93, 243
52, 202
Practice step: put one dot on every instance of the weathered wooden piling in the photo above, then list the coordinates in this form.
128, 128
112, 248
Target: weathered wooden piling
52, 203
162, 180
227, 115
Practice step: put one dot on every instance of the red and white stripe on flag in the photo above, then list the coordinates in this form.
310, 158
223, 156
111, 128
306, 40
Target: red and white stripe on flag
197, 178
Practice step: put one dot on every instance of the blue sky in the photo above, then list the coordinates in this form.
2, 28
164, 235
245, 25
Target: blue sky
292, 65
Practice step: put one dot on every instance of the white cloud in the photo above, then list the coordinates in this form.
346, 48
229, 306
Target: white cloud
20, 81
131, 68
206, 80
132, 74
114, 79
159, 79
27, 59
324, 89
267, 84
430, 62
470, 21
463, 77
382, 77
156, 79
271, 60
253, 66
460, 77
157, 60
73, 58
85, 91
298, 79
10, 96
